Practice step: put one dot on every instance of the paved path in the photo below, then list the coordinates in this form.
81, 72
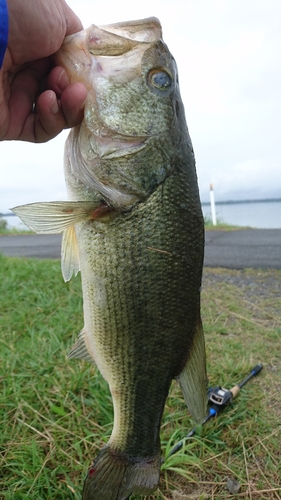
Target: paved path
41, 246
256, 248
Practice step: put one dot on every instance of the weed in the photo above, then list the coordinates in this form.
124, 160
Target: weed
56, 413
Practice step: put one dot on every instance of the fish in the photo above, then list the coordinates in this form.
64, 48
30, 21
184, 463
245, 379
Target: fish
133, 227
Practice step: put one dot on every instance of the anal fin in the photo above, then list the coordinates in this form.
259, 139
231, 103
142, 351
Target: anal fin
80, 350
193, 378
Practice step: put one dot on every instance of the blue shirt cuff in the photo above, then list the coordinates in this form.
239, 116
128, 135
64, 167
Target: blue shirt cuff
4, 26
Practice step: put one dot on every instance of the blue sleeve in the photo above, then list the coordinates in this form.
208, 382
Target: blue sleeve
4, 24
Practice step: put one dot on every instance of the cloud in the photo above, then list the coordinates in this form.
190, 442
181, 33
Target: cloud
244, 180
228, 54
31, 172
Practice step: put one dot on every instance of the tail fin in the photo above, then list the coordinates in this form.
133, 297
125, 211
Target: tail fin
114, 476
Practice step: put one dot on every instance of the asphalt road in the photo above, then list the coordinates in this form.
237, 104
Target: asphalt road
255, 248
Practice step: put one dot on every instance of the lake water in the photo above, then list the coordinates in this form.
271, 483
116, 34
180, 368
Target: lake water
263, 214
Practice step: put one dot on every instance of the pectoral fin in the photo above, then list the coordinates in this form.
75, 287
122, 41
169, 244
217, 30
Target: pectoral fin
193, 378
56, 216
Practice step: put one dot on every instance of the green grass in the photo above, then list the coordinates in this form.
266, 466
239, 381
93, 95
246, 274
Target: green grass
221, 225
56, 413
13, 231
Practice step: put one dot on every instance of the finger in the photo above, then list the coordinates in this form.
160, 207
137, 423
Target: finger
22, 94
72, 96
72, 103
46, 122
49, 120
58, 80
52, 116
72, 20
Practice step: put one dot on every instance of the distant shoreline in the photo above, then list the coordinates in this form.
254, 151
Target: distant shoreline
204, 203
236, 202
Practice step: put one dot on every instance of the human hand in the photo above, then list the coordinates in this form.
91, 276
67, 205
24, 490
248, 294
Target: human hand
36, 98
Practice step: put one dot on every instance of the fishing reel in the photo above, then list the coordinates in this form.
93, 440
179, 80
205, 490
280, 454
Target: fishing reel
219, 396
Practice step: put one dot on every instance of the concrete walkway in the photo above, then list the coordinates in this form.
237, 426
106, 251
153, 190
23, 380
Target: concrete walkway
255, 248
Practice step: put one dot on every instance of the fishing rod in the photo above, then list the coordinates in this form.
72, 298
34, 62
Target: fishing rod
219, 398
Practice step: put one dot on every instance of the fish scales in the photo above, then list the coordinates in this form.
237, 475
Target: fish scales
141, 286
133, 226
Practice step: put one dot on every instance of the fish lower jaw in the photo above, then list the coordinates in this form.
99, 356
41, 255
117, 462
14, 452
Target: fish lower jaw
109, 147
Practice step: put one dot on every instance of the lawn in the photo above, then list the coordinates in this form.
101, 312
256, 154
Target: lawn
56, 413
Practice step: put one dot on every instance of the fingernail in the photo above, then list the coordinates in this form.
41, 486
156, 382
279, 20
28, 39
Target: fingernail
63, 80
54, 107
82, 105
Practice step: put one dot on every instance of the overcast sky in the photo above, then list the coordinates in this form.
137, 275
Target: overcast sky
229, 58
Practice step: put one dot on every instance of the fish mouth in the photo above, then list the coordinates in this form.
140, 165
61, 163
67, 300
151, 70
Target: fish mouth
117, 38
108, 40
143, 30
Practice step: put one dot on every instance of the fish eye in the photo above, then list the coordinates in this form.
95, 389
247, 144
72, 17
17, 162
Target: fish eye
160, 80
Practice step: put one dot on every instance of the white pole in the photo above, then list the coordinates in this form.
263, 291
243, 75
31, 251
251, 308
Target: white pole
213, 207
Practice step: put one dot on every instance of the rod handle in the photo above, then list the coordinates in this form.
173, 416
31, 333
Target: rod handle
234, 391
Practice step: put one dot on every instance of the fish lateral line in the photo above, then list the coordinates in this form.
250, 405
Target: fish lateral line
158, 250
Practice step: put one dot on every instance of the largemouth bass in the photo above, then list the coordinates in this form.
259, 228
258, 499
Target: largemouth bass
133, 226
